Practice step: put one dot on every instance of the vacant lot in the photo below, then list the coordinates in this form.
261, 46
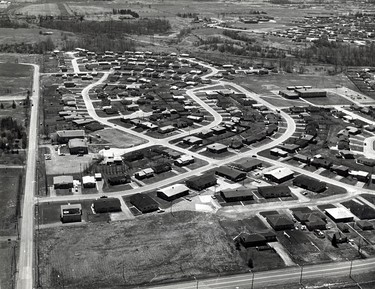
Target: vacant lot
15, 79
144, 250
8, 252
11, 186
119, 139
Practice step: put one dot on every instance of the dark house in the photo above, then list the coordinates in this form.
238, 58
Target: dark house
107, 205
268, 192
280, 222
252, 240
340, 170
199, 183
119, 180
343, 227
247, 164
230, 173
63, 136
310, 184
144, 203
237, 195
321, 163
365, 225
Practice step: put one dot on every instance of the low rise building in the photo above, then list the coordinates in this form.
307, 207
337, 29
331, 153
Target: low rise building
173, 192
71, 213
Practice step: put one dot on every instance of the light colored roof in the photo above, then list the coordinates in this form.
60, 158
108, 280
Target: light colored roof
339, 213
280, 173
174, 190
77, 142
88, 179
63, 179
217, 146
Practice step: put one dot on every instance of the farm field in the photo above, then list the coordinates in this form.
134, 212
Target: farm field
47, 9
8, 257
144, 250
11, 180
15, 79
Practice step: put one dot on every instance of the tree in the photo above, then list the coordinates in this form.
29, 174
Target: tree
334, 240
250, 263
2, 106
14, 104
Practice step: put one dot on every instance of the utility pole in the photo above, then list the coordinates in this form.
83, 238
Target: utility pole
252, 279
196, 281
350, 270
300, 278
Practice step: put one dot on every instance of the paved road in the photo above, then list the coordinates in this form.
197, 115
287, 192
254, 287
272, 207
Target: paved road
274, 277
25, 264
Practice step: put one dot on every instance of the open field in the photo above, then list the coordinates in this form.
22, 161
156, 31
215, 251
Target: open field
11, 180
118, 139
144, 250
8, 257
15, 79
47, 9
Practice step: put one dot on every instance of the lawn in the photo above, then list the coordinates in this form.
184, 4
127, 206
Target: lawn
11, 180
8, 257
144, 250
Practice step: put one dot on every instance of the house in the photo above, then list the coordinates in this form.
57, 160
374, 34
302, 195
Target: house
107, 205
144, 174
199, 183
279, 175
71, 213
63, 136
218, 129
78, 146
340, 170
63, 182
184, 160
310, 184
166, 129
361, 176
88, 182
217, 148
173, 192
280, 222
301, 158
237, 194
119, 180
230, 173
278, 152
144, 203
321, 163
161, 168
192, 140
252, 240
313, 219
365, 225
363, 212
254, 138
339, 215
269, 192
247, 164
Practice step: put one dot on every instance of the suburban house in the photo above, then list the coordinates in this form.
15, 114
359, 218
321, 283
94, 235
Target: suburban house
71, 213
280, 222
78, 146
279, 175
237, 194
107, 205
173, 192
199, 183
340, 215
144, 203
63, 182
268, 192
310, 184
230, 173
63, 136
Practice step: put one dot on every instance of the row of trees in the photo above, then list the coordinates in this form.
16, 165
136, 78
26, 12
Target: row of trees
125, 12
6, 23
114, 28
39, 47
100, 43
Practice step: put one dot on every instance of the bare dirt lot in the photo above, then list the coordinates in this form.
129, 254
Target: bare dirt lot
145, 250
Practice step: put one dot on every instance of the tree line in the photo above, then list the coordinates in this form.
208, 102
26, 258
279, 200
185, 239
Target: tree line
39, 47
10, 130
125, 12
113, 28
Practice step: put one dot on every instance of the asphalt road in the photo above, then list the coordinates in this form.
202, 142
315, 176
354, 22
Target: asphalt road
281, 276
25, 263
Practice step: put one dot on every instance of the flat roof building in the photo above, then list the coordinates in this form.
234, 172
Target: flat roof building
340, 215
173, 192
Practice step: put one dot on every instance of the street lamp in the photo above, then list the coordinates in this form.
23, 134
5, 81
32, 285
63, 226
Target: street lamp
196, 280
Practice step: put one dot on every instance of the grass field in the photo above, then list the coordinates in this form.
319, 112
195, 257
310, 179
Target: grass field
15, 79
47, 9
8, 257
145, 250
11, 180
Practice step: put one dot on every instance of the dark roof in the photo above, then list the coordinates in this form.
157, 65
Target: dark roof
309, 183
281, 220
231, 173
201, 182
107, 205
247, 164
274, 191
237, 193
144, 202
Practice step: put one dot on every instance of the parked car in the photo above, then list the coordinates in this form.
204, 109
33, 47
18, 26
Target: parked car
319, 233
